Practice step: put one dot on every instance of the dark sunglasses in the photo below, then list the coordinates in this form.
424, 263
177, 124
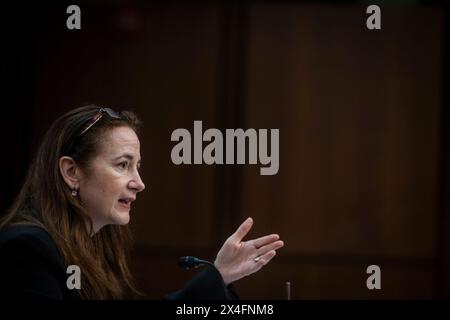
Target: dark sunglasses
98, 116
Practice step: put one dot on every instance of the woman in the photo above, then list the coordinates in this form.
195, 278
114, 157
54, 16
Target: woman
73, 210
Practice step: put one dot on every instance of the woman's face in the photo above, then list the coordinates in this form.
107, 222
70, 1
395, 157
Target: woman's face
111, 182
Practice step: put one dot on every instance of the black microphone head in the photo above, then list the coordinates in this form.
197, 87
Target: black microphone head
189, 262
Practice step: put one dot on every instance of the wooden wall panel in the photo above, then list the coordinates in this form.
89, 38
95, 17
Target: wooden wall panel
344, 279
358, 114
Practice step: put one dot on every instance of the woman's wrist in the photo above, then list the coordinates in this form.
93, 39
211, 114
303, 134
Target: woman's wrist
223, 274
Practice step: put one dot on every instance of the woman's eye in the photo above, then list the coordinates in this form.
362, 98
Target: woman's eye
123, 165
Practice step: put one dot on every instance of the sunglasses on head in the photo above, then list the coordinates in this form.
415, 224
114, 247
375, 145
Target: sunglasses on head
98, 116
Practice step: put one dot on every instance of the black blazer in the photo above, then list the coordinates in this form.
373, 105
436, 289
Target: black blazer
31, 267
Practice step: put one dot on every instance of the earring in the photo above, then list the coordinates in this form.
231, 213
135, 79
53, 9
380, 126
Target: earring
75, 192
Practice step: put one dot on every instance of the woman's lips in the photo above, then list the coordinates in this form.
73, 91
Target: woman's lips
125, 204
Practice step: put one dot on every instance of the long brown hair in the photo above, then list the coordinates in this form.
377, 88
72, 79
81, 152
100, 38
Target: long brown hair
46, 200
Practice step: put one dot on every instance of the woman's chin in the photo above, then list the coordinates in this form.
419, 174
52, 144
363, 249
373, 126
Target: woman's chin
121, 218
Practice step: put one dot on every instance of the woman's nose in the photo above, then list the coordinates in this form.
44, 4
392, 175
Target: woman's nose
137, 183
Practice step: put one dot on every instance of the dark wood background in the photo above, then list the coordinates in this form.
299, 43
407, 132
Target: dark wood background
363, 119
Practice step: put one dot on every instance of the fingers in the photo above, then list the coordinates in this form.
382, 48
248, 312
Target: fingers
258, 243
265, 258
242, 231
270, 247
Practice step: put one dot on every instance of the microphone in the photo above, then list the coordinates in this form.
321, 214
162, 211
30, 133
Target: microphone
189, 262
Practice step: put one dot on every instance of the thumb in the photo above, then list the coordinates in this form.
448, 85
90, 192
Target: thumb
243, 229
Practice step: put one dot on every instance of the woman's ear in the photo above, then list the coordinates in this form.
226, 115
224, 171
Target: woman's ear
70, 172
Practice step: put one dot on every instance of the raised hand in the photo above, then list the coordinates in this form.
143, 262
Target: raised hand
237, 259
